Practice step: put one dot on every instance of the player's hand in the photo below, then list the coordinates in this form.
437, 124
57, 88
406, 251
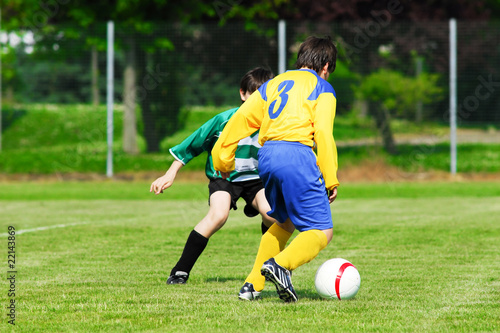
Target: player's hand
161, 184
332, 195
224, 175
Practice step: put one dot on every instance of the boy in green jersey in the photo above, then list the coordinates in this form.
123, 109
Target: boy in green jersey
243, 182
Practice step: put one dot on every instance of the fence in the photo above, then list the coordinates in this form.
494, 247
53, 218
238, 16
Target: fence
167, 67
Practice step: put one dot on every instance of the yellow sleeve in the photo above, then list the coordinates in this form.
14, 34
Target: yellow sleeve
243, 123
323, 136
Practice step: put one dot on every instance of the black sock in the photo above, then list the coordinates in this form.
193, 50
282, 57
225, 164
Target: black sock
194, 247
263, 228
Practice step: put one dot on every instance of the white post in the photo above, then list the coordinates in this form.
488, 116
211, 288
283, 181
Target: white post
109, 99
453, 96
281, 46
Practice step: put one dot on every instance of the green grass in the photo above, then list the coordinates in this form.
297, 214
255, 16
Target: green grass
48, 139
428, 255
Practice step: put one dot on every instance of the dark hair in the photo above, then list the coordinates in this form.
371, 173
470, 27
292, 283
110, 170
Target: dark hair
315, 53
254, 78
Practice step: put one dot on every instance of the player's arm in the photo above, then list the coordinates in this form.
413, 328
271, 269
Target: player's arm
332, 195
325, 143
167, 179
243, 123
199, 141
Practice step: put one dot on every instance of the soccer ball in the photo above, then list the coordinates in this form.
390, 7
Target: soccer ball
337, 278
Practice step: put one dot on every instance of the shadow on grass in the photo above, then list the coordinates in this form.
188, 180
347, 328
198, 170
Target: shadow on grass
270, 293
224, 279
10, 115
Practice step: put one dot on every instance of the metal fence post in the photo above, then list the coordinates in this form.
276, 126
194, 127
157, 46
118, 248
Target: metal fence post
109, 100
281, 46
453, 96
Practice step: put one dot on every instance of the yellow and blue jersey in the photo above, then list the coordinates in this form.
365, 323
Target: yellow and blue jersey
296, 106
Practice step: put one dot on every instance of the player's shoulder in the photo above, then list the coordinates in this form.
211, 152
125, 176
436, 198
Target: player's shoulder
322, 87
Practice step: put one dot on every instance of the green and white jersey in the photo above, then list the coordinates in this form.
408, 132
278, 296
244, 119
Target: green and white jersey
204, 138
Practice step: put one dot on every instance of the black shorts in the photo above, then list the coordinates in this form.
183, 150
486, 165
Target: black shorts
246, 190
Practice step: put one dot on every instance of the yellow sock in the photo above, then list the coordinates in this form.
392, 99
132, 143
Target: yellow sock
304, 248
271, 243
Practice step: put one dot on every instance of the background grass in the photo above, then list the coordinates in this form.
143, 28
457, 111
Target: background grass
428, 255
48, 139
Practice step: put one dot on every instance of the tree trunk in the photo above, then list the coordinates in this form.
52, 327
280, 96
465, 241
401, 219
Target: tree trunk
361, 107
150, 133
161, 95
150, 119
94, 65
383, 123
129, 101
9, 95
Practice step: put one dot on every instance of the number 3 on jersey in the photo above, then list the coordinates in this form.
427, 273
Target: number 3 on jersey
284, 87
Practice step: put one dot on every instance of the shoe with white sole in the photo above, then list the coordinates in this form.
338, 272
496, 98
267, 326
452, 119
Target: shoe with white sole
248, 292
282, 279
179, 277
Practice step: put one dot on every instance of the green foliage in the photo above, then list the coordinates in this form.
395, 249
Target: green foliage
399, 93
211, 90
9, 69
47, 126
343, 80
10, 75
10, 114
261, 9
52, 82
163, 98
471, 157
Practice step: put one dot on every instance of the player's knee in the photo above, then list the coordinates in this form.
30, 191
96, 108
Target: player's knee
329, 234
267, 220
219, 217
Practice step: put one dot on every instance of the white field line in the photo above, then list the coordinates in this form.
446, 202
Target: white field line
23, 231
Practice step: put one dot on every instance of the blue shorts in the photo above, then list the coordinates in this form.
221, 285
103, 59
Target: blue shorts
294, 185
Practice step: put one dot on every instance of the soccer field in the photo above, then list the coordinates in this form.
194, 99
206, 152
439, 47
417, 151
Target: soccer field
94, 256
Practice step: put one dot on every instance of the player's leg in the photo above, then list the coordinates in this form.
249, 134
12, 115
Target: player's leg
306, 203
303, 248
271, 243
310, 212
256, 203
262, 206
220, 203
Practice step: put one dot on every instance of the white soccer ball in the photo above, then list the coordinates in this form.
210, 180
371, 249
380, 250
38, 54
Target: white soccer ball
337, 279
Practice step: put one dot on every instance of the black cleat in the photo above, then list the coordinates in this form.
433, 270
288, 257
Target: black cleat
179, 277
248, 293
282, 279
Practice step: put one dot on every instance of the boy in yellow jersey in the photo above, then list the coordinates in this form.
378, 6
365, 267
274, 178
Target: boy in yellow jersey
295, 113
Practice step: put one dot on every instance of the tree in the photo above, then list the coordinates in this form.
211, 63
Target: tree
391, 92
406, 28
136, 16
45, 18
